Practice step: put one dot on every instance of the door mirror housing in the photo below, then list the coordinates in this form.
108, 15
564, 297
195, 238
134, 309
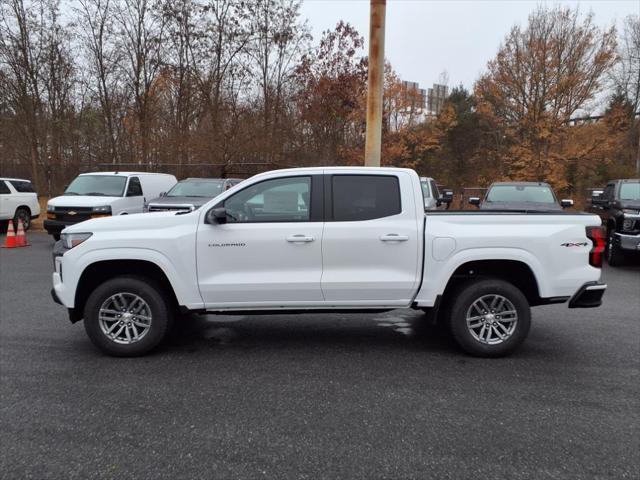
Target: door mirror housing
217, 215
566, 203
163, 194
474, 201
446, 196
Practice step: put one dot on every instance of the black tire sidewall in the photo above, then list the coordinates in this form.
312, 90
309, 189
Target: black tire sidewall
27, 218
614, 255
150, 293
466, 294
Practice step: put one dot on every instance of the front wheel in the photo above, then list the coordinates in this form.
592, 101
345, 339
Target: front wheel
489, 318
126, 316
23, 216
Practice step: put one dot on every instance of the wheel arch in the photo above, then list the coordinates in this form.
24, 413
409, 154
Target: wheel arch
26, 207
98, 272
515, 272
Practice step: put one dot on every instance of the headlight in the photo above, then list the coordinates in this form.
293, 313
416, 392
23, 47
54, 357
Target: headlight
105, 210
50, 208
70, 240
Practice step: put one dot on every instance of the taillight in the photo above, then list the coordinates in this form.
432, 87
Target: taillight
599, 239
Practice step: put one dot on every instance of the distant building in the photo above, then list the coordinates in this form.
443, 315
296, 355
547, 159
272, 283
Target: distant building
435, 98
415, 96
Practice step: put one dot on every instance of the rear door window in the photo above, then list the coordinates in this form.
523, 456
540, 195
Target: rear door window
364, 197
4, 189
22, 187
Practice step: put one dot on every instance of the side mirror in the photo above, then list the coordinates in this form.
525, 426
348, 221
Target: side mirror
474, 201
446, 196
217, 215
163, 194
566, 203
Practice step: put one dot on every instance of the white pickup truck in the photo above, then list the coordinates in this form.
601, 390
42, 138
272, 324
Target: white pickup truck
326, 239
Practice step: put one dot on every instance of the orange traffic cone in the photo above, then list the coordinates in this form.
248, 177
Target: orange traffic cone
21, 238
10, 241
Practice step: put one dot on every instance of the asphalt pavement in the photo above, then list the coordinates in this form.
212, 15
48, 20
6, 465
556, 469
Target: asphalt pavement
316, 396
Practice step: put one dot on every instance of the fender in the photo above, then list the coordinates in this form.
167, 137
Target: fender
438, 274
184, 284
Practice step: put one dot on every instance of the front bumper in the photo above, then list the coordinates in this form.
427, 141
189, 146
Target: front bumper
627, 242
588, 296
56, 226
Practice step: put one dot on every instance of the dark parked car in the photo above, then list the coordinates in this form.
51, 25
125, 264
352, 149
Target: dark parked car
619, 207
190, 194
530, 196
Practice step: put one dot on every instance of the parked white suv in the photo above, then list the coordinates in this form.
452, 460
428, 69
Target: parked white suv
100, 194
18, 201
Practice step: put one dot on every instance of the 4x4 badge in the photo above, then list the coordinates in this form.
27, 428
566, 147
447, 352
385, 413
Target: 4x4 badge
571, 244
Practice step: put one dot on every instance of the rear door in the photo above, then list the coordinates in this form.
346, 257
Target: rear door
5, 201
268, 253
370, 246
133, 201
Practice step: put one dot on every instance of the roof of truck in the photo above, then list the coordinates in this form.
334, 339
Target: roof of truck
125, 174
540, 184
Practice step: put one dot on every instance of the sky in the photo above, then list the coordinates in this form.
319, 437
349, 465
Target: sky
426, 37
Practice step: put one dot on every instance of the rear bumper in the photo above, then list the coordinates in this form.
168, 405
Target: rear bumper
627, 242
588, 296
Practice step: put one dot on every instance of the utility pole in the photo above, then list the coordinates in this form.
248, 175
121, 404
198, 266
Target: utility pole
375, 83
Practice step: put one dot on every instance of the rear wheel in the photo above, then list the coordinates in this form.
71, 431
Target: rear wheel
127, 316
489, 318
615, 256
23, 215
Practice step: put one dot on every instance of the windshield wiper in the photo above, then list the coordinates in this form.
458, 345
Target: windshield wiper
96, 194
70, 193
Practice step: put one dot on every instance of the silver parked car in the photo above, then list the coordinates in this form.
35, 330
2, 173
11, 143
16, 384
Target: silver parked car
433, 198
190, 194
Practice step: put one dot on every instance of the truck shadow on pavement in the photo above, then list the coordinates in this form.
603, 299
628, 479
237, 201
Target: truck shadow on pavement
404, 330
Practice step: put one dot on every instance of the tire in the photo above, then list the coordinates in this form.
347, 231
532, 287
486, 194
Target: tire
615, 256
22, 214
511, 318
114, 332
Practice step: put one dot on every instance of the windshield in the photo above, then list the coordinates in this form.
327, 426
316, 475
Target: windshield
630, 191
197, 189
521, 193
97, 185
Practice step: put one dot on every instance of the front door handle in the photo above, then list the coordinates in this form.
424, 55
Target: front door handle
299, 238
394, 237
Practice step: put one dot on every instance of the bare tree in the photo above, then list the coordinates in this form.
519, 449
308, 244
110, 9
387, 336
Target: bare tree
142, 32
97, 31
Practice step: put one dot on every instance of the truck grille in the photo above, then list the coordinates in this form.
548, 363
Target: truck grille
170, 208
73, 214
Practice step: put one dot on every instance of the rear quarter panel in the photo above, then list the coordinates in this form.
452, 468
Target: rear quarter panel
554, 246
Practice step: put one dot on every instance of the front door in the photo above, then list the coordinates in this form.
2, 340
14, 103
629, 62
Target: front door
268, 253
370, 247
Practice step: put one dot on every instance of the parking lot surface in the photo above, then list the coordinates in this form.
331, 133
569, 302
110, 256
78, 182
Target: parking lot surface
316, 396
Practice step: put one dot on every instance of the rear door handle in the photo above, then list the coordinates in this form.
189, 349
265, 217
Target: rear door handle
299, 238
394, 237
